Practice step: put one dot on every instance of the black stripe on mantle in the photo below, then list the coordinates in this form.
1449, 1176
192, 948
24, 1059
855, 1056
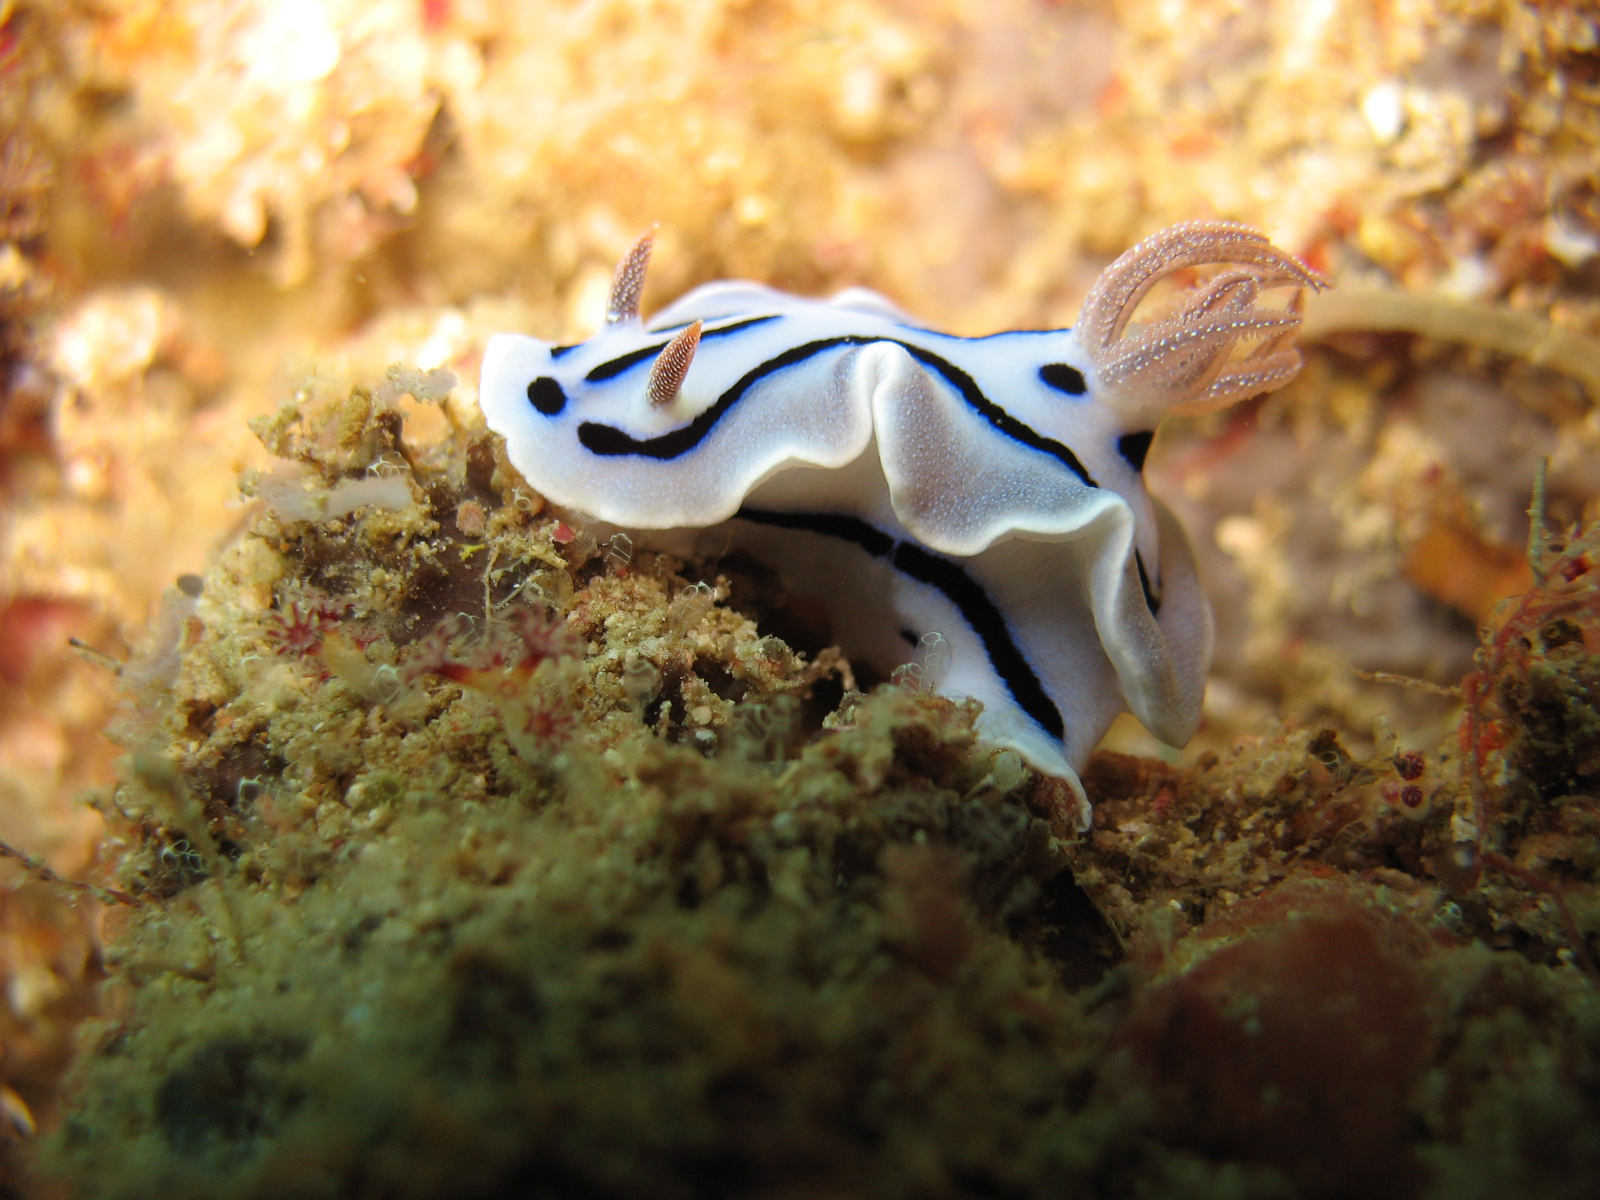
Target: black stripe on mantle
616, 366
981, 614
608, 441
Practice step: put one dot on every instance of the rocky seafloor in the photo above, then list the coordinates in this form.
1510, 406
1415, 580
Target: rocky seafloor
462, 852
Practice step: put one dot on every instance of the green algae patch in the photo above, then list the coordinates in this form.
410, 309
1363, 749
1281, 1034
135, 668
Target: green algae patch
466, 849
506, 861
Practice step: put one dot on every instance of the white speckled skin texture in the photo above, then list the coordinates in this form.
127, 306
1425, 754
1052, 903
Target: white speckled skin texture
988, 489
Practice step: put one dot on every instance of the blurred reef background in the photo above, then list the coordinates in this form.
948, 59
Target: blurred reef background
373, 829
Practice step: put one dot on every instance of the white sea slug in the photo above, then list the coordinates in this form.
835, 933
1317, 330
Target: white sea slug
989, 489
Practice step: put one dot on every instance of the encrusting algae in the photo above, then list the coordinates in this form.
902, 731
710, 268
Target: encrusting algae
468, 852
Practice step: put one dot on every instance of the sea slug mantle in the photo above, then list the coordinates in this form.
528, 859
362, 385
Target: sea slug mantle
989, 489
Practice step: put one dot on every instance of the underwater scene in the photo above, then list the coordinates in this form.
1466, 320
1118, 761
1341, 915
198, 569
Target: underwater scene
799, 598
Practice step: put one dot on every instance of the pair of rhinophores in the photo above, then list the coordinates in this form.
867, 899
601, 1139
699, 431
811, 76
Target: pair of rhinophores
989, 489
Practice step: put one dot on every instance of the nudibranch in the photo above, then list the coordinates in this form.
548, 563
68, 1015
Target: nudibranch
989, 489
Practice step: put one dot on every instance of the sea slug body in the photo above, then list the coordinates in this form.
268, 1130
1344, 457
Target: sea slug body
990, 489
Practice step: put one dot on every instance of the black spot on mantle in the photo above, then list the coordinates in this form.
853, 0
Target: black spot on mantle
545, 394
